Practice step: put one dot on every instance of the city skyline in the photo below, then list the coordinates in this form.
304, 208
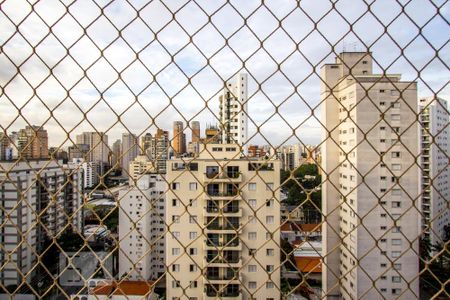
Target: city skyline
172, 92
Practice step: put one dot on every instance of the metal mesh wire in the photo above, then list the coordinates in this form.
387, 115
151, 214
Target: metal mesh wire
113, 67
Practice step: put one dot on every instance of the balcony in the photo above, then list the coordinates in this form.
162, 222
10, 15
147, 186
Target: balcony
233, 210
228, 292
220, 275
226, 257
232, 177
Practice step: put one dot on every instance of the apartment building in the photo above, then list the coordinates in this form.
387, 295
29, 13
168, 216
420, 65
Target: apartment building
233, 111
178, 139
38, 198
142, 229
371, 229
32, 143
130, 150
98, 146
434, 117
160, 150
116, 155
91, 171
139, 166
223, 215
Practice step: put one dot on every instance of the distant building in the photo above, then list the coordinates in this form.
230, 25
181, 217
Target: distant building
98, 146
116, 155
130, 149
160, 150
91, 171
212, 135
195, 125
4, 147
141, 255
435, 169
233, 112
292, 156
256, 151
146, 144
79, 151
32, 143
139, 166
178, 139
39, 206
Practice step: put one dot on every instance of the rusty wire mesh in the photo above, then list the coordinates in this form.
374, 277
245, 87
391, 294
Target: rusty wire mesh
132, 67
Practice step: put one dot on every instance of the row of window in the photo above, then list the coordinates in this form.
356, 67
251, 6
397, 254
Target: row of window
193, 186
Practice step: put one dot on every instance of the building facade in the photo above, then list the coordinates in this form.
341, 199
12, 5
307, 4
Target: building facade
33, 143
98, 146
139, 166
233, 111
130, 150
38, 198
217, 245
178, 139
142, 245
434, 167
370, 234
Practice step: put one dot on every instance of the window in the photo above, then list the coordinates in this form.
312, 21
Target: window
175, 283
175, 185
396, 204
269, 285
396, 242
396, 279
192, 235
192, 268
252, 202
270, 252
398, 267
193, 186
396, 154
192, 219
252, 235
176, 219
269, 186
269, 203
396, 167
252, 186
396, 291
252, 268
395, 253
193, 202
251, 251
176, 234
269, 268
175, 251
395, 117
270, 219
193, 284
176, 268
175, 202
192, 251
396, 229
252, 284
396, 192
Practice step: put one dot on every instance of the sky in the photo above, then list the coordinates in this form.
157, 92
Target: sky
140, 65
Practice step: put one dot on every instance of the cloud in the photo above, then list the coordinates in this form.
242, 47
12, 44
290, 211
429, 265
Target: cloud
137, 68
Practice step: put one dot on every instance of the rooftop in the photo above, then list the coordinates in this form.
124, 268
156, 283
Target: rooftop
130, 288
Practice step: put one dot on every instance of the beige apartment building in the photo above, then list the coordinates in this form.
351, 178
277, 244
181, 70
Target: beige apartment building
223, 217
371, 190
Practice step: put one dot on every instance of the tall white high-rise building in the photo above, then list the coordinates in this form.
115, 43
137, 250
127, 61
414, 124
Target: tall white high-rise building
370, 191
142, 229
91, 171
217, 246
233, 112
38, 198
130, 149
435, 168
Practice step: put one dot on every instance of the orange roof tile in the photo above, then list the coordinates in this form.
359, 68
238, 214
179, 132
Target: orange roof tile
308, 264
137, 288
286, 227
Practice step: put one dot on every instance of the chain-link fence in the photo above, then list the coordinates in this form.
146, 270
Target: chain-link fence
170, 149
